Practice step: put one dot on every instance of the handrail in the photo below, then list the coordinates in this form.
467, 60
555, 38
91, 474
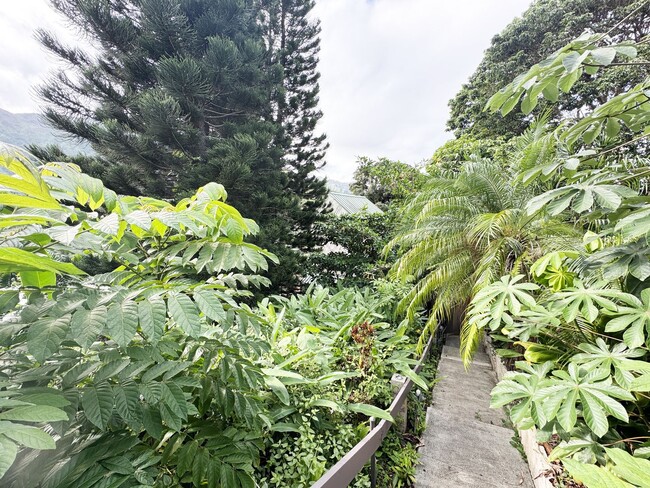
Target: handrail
350, 465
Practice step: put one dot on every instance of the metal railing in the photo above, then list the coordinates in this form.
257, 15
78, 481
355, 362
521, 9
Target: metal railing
350, 465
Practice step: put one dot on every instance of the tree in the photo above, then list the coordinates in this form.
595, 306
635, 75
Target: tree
356, 258
544, 28
452, 154
465, 229
186, 92
295, 45
155, 373
384, 181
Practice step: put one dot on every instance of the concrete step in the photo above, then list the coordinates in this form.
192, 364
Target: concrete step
467, 444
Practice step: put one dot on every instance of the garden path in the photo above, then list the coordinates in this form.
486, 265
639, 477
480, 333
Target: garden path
466, 443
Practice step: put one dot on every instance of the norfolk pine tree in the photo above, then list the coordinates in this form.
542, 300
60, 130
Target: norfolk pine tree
294, 41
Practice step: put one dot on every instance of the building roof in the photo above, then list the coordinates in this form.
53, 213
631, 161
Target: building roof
346, 204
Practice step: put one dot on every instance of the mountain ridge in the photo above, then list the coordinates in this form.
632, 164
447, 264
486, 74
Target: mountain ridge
24, 129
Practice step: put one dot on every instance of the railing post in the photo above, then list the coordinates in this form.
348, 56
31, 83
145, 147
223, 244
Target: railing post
373, 461
397, 382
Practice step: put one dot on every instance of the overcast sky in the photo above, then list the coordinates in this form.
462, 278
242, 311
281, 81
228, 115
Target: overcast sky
388, 68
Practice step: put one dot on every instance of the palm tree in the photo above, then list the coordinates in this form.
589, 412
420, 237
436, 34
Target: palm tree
465, 230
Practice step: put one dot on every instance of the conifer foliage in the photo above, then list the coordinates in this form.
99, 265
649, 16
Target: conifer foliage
293, 35
178, 93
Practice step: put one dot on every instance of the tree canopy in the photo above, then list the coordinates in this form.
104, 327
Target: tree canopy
544, 28
384, 181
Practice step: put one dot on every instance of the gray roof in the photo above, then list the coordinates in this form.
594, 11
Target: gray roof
346, 204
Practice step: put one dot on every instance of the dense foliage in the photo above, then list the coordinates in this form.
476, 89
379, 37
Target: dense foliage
579, 316
546, 26
352, 251
178, 94
465, 229
384, 181
155, 372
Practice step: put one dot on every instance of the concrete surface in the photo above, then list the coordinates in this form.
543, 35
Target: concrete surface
466, 443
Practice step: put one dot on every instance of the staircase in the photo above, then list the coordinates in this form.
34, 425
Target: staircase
466, 443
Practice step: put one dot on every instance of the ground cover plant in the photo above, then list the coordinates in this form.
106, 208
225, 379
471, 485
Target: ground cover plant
130, 354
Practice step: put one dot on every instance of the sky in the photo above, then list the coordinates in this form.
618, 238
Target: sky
388, 68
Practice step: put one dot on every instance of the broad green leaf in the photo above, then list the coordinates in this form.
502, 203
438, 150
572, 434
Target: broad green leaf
27, 436
38, 279
8, 300
152, 314
34, 413
210, 305
45, 337
641, 383
8, 452
184, 312
97, 402
122, 322
630, 468
87, 325
16, 260
593, 476
603, 55
278, 388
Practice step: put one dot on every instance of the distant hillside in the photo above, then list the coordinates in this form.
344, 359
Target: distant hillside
338, 186
25, 129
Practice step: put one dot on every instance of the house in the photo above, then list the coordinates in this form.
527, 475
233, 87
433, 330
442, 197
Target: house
347, 204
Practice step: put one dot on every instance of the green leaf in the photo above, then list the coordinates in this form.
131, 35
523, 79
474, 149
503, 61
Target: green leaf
87, 325
641, 383
45, 337
8, 452
603, 55
97, 402
17, 260
573, 61
414, 377
127, 401
8, 300
27, 436
34, 413
567, 80
593, 476
184, 313
370, 411
38, 279
278, 388
630, 468
152, 314
122, 322
210, 305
